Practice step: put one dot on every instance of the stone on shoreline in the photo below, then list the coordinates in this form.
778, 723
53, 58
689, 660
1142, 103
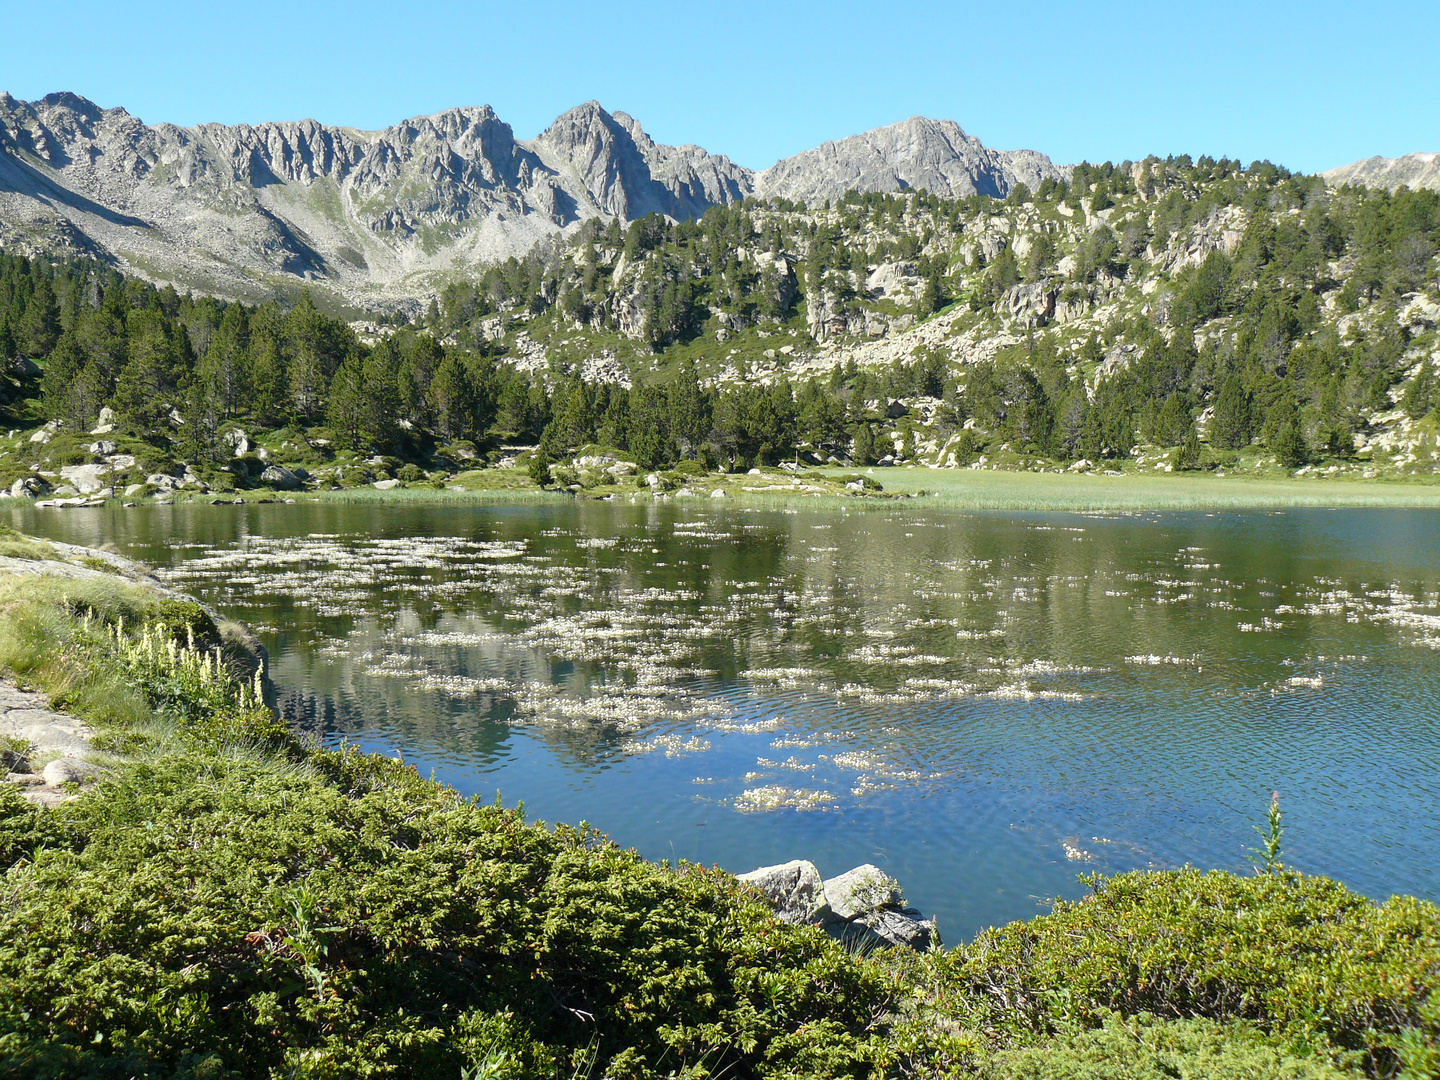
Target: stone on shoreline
862, 908
794, 890
861, 890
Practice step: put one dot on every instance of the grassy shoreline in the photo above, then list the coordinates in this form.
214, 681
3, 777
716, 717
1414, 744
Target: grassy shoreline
963, 489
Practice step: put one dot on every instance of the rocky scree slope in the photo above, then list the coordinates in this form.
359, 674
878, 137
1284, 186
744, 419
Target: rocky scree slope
377, 217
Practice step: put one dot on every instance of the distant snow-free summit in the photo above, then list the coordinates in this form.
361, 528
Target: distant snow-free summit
1412, 171
380, 217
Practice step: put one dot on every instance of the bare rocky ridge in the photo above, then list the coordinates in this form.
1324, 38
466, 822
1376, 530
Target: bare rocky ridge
1412, 171
935, 155
380, 218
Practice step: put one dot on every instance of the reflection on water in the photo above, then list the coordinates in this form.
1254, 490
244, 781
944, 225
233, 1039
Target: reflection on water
984, 704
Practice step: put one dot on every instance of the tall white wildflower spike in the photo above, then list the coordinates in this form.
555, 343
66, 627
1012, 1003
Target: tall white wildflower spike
189, 636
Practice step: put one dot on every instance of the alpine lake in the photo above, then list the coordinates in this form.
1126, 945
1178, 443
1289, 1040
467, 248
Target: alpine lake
987, 705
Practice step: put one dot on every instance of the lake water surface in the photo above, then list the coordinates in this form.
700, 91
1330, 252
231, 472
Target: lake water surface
984, 704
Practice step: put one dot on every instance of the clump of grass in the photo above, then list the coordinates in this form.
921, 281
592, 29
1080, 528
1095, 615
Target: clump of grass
15, 545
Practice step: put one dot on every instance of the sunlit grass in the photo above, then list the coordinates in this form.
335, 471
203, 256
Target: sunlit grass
984, 490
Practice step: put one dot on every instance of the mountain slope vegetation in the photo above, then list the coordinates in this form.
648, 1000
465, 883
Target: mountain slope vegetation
1166, 314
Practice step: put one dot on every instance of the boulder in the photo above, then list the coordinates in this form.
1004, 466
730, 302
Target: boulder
105, 423
862, 890
47, 736
386, 485
863, 907
103, 448
238, 441
28, 487
794, 890
277, 476
885, 929
68, 770
85, 478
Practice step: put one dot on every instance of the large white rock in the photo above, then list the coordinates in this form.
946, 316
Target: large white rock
862, 890
85, 478
794, 889
280, 477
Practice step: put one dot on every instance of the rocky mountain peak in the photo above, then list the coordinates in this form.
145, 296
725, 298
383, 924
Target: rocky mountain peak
936, 155
385, 216
1409, 170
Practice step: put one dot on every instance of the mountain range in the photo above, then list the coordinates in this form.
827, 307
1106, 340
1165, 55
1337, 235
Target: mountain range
380, 219
380, 216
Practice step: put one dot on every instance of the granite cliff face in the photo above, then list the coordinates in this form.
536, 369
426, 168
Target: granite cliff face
1412, 170
935, 155
379, 218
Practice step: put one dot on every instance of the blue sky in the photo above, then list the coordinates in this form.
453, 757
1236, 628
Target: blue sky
1309, 85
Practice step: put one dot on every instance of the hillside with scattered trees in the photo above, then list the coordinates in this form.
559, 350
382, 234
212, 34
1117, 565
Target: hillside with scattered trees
1168, 315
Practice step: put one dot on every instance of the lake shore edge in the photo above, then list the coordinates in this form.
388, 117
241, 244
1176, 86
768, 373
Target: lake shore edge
218, 871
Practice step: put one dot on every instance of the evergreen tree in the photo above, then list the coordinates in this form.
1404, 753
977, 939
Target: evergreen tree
345, 411
379, 396
269, 384
200, 432
1231, 425
65, 362
1173, 423
542, 458
1420, 395
145, 390
1289, 444
1189, 456
39, 327
863, 450
453, 400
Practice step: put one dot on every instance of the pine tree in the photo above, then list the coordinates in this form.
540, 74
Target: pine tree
1189, 456
1289, 444
542, 458
345, 411
380, 396
145, 389
452, 399
39, 327
863, 450
1231, 424
269, 389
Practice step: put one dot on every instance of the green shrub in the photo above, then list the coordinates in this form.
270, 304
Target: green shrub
1145, 1048
1302, 957
342, 920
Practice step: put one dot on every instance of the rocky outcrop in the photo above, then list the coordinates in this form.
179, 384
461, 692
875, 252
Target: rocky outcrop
34, 733
935, 155
863, 907
627, 175
1411, 170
